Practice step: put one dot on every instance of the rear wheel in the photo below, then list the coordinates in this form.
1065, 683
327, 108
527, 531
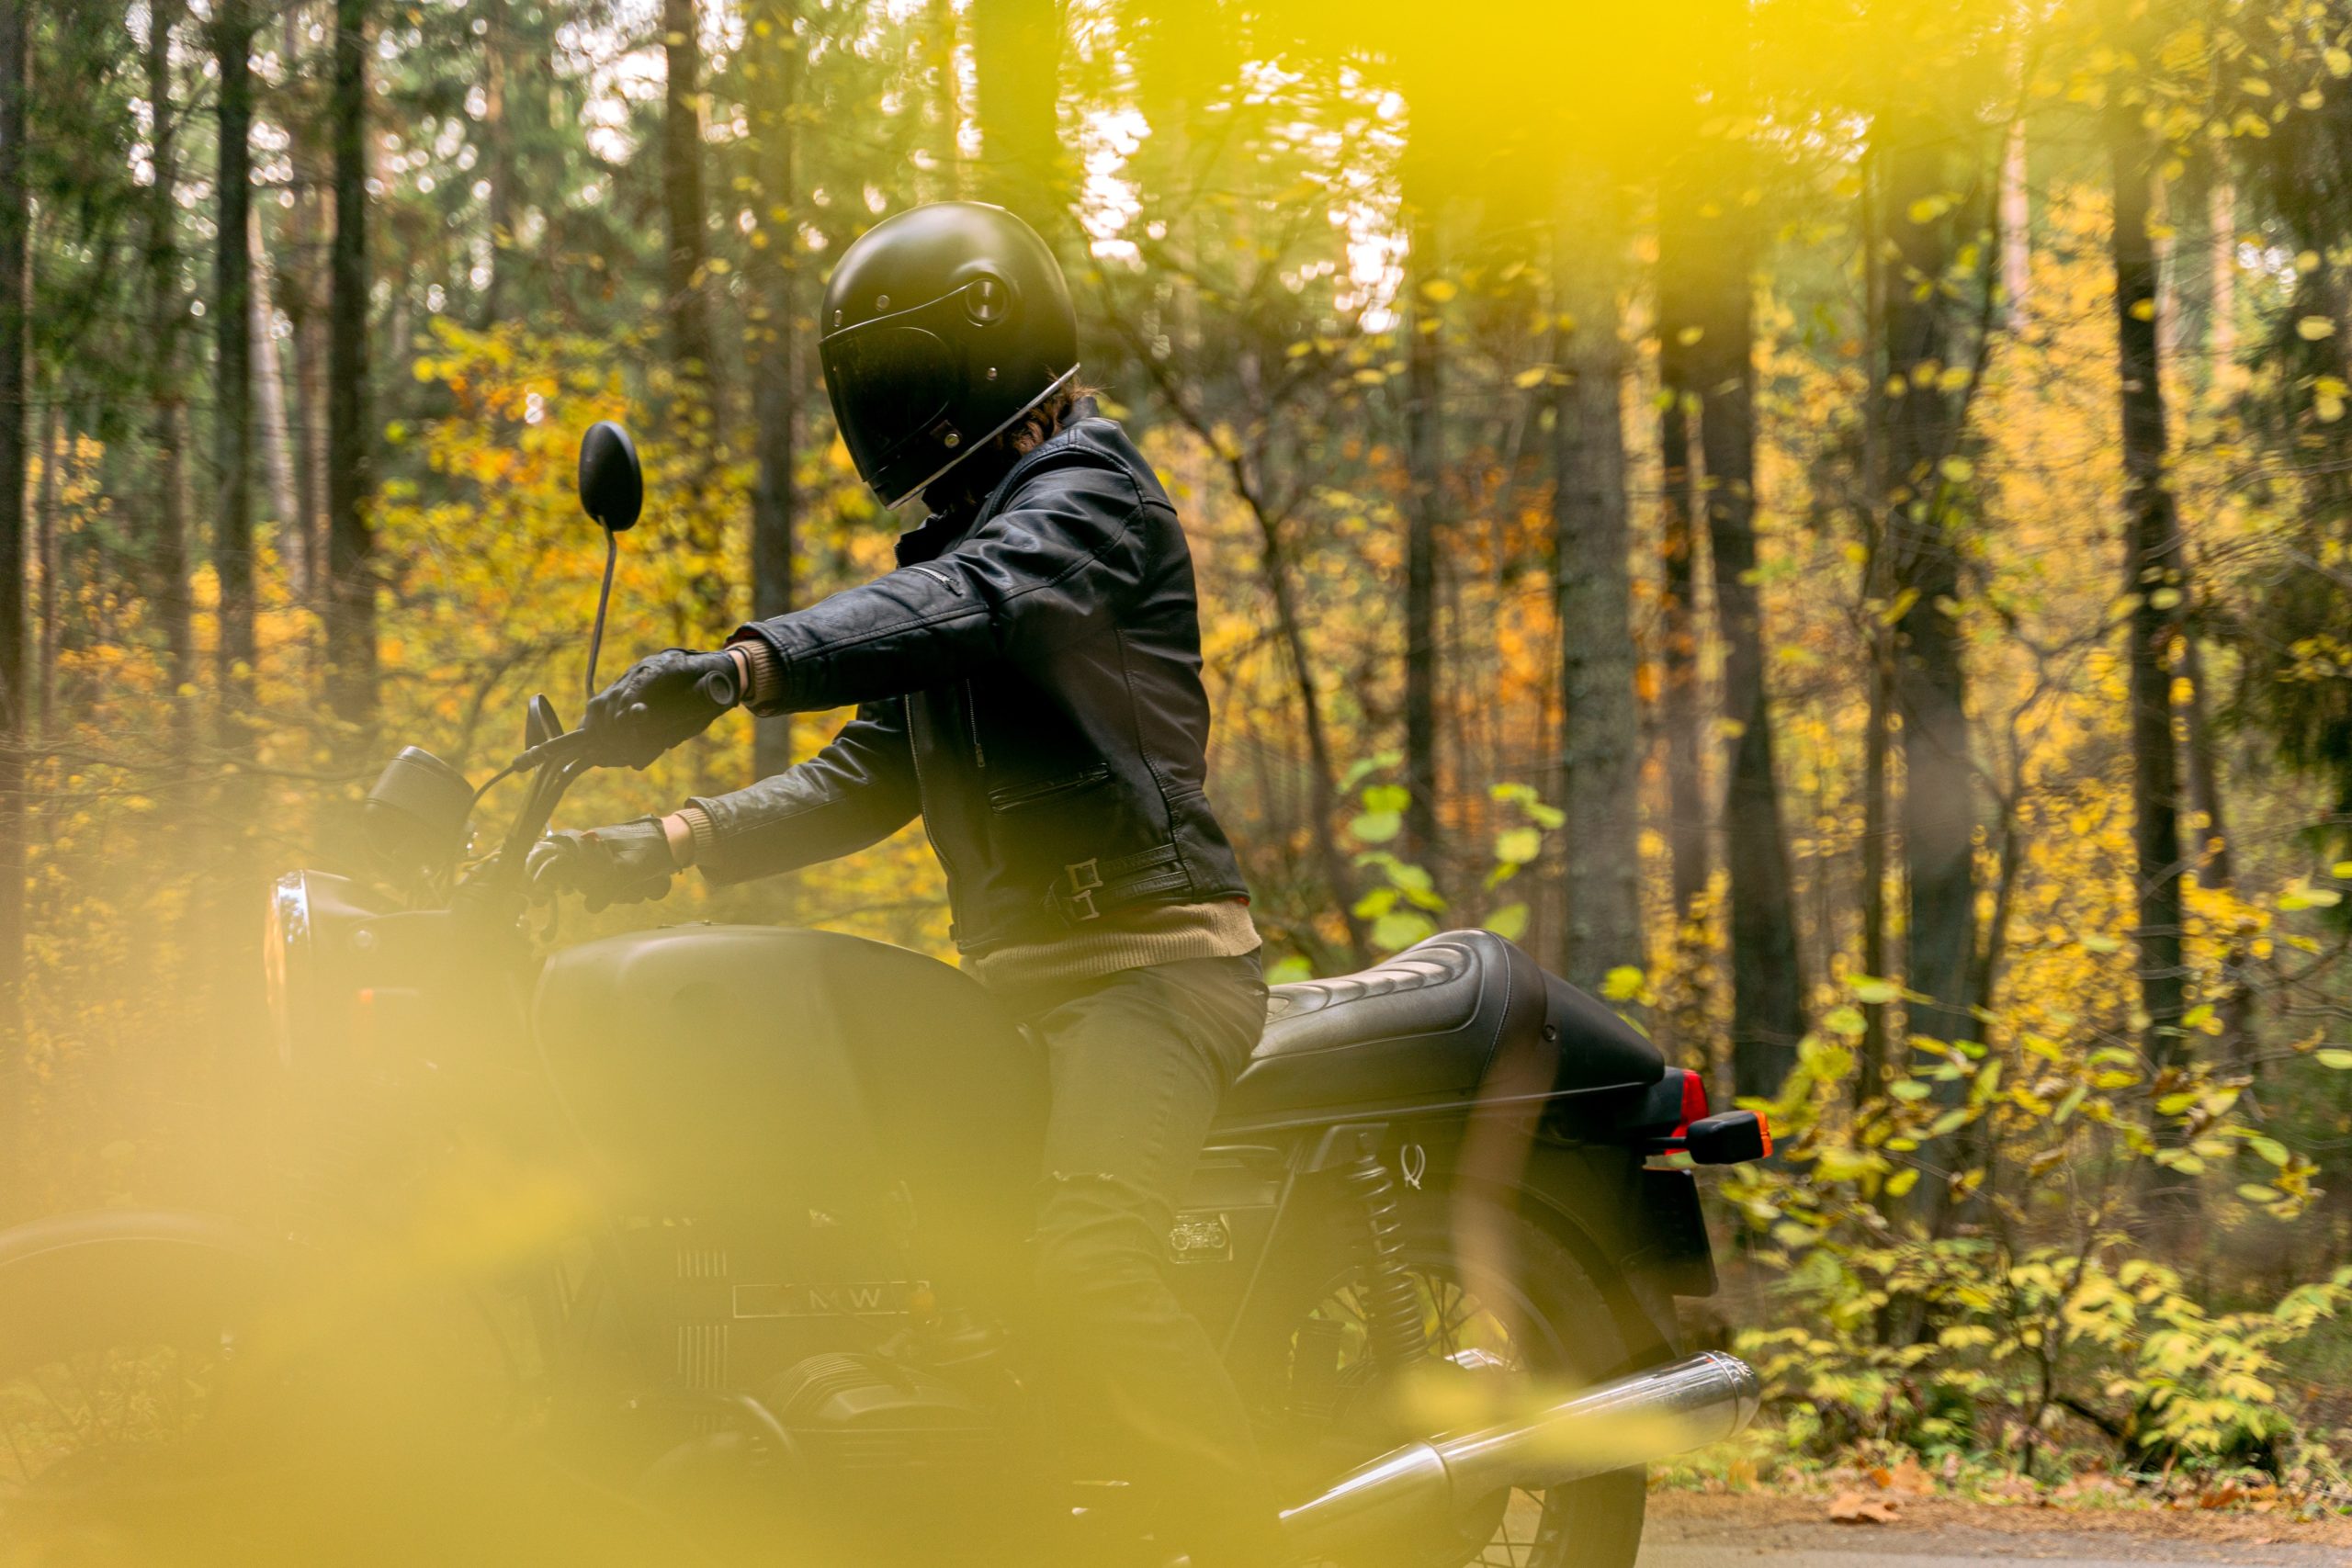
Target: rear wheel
1524, 1315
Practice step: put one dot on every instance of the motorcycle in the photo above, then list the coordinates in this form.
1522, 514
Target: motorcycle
740, 1215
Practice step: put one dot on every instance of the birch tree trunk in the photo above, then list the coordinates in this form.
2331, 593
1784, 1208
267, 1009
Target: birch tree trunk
269, 399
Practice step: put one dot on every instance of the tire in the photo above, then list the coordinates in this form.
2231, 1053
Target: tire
123, 1408
1571, 1339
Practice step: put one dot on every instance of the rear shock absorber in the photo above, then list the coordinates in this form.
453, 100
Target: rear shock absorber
1392, 1302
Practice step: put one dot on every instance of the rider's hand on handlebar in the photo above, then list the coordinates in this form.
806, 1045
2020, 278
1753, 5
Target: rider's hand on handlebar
668, 698
625, 864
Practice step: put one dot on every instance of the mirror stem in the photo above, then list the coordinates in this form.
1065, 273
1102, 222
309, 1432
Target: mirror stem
604, 597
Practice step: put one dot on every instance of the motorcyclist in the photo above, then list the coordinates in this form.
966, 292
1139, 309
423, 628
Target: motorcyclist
1028, 681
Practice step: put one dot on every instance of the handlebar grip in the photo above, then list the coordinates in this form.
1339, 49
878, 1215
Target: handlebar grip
720, 688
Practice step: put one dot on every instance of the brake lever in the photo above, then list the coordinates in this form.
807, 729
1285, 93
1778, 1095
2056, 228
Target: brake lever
564, 748
719, 688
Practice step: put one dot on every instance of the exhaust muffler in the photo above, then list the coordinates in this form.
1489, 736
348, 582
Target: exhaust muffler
1631, 1421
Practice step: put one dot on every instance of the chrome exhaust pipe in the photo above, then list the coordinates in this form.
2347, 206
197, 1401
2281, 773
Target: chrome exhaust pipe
1633, 1421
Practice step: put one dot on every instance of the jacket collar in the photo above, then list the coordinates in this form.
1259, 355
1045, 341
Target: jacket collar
942, 531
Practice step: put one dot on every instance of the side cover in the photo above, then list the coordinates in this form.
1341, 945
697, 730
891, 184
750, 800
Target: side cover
1464, 1015
746, 1070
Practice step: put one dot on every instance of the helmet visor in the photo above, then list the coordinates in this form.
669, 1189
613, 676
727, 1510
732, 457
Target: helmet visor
891, 384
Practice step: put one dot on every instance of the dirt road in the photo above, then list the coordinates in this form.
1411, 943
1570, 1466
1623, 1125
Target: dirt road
1692, 1531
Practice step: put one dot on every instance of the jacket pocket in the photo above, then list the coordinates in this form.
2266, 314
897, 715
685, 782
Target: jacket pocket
1013, 797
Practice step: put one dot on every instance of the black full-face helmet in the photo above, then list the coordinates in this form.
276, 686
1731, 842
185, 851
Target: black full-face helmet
941, 327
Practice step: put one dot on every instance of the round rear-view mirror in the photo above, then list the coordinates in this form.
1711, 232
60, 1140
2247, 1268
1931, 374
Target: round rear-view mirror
612, 485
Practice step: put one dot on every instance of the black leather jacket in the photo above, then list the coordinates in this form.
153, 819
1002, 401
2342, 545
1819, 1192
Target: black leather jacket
1029, 680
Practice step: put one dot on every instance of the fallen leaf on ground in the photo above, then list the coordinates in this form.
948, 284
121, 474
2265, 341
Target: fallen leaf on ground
1854, 1509
1909, 1477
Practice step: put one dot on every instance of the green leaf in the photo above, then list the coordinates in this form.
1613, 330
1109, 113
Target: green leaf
2271, 1149
1621, 984
1846, 1021
1387, 797
1517, 846
1401, 929
1871, 990
1377, 827
1510, 922
1902, 1181
2252, 1193
1907, 1089
2337, 1057
1284, 971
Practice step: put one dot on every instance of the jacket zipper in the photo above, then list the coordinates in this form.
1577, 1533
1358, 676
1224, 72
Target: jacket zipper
944, 581
1005, 800
972, 722
914, 752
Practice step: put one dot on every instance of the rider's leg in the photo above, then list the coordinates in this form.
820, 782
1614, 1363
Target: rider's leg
1139, 1060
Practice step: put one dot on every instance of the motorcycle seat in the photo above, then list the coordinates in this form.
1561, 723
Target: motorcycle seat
1459, 1013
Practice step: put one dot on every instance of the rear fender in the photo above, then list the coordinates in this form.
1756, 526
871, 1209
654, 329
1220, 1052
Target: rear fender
82, 1278
1593, 1201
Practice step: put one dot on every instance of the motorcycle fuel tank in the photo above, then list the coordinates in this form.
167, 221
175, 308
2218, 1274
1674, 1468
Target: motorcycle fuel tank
749, 1070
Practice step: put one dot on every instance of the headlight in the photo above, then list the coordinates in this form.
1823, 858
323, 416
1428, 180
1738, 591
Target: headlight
285, 953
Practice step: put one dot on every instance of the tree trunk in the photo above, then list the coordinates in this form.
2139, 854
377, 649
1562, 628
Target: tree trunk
775, 57
1600, 744
1928, 684
1678, 249
1016, 53
2017, 229
46, 553
2222, 327
2154, 579
269, 398
498, 145
1424, 462
232, 523
351, 545
690, 338
168, 426
16, 279
1768, 990
947, 96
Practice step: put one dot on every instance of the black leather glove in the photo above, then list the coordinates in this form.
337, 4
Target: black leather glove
662, 701
625, 864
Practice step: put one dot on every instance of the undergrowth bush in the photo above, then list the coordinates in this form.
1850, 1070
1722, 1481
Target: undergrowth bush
1968, 1263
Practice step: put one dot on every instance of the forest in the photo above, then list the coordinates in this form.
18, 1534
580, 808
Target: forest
1828, 522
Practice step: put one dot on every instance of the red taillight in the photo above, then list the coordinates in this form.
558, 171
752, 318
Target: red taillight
1694, 1099
1764, 1126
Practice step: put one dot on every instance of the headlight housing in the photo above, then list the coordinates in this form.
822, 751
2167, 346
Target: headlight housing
286, 953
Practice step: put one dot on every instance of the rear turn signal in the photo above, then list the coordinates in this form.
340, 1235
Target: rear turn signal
1734, 1138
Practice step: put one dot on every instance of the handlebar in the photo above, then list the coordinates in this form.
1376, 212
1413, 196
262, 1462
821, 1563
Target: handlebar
718, 687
